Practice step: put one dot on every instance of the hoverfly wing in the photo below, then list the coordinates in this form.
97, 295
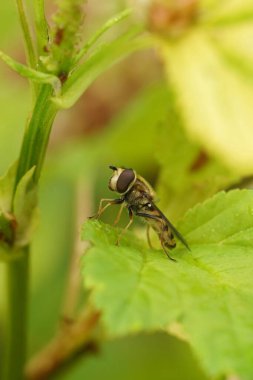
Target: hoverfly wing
178, 235
174, 230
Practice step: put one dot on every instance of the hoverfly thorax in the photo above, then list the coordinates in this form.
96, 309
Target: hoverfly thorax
122, 180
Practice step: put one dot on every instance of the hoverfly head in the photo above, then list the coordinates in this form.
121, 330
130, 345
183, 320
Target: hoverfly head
122, 179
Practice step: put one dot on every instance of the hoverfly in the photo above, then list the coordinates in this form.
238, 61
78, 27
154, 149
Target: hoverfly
138, 197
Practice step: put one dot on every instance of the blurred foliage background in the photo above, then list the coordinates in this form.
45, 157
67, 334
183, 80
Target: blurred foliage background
127, 117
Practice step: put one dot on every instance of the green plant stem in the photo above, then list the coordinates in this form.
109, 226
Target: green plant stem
37, 134
32, 153
16, 316
31, 56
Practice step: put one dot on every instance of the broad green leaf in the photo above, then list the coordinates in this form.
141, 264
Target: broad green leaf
208, 291
34, 75
215, 100
25, 208
100, 61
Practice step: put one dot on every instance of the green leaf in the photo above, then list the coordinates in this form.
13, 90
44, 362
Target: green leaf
104, 28
34, 75
208, 291
215, 100
6, 188
237, 59
228, 12
7, 219
100, 61
237, 41
25, 208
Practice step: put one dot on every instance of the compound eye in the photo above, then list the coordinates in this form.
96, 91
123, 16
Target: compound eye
124, 181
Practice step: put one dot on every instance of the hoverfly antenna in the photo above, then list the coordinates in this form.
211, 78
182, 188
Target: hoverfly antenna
112, 167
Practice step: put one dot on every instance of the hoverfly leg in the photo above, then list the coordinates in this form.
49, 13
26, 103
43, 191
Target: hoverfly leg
131, 216
148, 237
167, 254
119, 214
101, 209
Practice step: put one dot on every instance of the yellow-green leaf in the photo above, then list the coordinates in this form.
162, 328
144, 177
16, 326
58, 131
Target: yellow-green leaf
214, 98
